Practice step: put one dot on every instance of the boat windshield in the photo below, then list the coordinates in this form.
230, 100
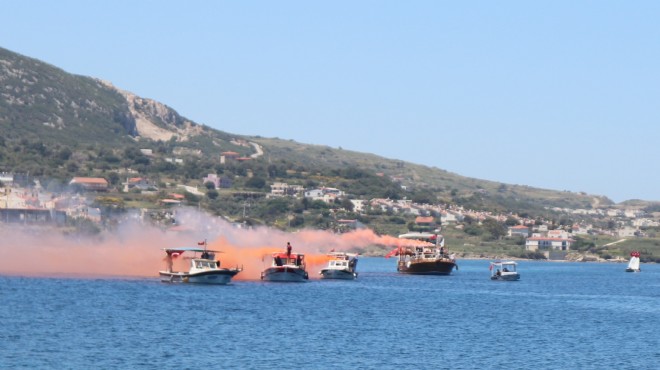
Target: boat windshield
509, 267
339, 263
205, 264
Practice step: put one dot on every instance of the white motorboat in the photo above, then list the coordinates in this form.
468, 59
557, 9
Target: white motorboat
504, 271
340, 266
204, 269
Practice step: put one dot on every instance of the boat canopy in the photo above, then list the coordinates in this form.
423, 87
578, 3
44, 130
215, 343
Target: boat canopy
190, 249
506, 266
503, 263
342, 255
419, 236
284, 255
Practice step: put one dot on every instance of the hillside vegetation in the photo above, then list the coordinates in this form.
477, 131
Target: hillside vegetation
55, 126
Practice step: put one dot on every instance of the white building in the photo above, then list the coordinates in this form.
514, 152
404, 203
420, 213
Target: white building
536, 243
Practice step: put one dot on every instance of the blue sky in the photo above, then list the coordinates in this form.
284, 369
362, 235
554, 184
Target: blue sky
560, 95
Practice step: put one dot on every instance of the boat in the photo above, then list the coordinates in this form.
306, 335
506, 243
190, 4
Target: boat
204, 269
340, 266
286, 267
430, 257
504, 271
633, 265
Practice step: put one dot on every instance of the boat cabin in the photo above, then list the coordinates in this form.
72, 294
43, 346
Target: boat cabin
205, 261
338, 264
506, 270
286, 259
204, 264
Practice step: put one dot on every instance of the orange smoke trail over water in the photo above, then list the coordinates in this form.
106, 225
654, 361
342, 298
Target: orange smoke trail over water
53, 254
136, 250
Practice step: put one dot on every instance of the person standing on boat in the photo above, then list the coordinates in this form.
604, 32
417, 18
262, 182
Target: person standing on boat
288, 249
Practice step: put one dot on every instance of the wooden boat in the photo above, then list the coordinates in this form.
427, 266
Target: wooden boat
340, 266
504, 271
204, 269
286, 267
428, 258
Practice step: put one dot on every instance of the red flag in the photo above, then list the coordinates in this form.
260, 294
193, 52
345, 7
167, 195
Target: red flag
201, 243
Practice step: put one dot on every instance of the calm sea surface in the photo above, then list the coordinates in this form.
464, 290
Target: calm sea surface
558, 316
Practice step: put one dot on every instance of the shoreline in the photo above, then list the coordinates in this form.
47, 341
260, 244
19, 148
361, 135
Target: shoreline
578, 258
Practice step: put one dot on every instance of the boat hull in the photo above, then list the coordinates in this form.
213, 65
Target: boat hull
285, 274
435, 267
338, 274
633, 270
216, 277
506, 277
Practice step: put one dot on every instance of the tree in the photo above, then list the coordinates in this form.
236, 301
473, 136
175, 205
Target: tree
296, 221
347, 204
212, 194
190, 197
423, 197
72, 167
64, 154
494, 227
511, 221
473, 230
255, 182
113, 178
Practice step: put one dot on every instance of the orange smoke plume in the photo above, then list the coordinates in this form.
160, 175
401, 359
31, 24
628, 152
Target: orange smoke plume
136, 249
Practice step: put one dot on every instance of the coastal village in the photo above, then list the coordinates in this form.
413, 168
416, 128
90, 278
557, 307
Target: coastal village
35, 205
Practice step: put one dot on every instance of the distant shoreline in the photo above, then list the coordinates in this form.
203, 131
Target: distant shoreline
586, 259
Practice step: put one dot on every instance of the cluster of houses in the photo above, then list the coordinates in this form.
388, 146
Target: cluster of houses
31, 205
537, 237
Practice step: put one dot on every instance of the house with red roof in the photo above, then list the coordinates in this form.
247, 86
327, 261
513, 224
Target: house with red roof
230, 155
425, 222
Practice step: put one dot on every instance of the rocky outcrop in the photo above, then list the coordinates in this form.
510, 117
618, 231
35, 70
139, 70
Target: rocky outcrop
586, 257
154, 120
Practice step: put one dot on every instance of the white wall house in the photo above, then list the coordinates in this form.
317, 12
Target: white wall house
327, 195
518, 230
536, 243
282, 189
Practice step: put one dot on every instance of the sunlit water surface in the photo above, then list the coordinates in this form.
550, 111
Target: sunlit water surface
559, 315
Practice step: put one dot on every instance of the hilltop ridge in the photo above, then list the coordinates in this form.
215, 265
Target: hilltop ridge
44, 105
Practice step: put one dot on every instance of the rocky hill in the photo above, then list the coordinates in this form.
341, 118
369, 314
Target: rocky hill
42, 105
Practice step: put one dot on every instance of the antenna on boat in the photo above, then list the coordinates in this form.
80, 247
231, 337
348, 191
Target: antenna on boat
204, 243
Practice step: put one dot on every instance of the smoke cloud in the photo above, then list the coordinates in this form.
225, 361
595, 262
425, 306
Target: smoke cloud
135, 249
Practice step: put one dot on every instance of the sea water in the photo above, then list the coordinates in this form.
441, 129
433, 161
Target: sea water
558, 316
